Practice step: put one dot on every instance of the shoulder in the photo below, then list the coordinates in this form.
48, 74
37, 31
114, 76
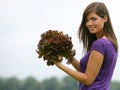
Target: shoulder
102, 41
100, 45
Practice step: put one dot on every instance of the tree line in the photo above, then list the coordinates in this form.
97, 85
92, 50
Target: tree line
30, 83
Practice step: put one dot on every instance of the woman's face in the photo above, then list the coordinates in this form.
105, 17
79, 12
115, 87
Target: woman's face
95, 23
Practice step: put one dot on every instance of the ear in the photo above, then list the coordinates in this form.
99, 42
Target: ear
105, 18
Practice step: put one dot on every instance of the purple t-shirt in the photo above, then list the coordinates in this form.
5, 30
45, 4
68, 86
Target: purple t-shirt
102, 81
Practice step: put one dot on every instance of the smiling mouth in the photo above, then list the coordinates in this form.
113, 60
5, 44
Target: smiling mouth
91, 29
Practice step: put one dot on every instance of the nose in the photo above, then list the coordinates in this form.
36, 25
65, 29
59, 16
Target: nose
89, 23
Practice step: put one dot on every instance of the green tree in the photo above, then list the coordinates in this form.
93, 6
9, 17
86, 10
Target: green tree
50, 84
11, 84
68, 83
31, 84
2, 83
115, 85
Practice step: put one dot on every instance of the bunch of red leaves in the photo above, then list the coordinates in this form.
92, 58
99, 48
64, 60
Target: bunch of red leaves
54, 45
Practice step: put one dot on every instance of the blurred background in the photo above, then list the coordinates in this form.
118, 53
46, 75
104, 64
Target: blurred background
23, 21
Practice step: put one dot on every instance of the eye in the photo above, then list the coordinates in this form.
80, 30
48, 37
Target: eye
93, 18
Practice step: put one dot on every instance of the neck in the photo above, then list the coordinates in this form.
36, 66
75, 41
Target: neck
99, 35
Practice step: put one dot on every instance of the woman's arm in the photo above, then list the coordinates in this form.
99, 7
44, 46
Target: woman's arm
75, 74
76, 64
92, 70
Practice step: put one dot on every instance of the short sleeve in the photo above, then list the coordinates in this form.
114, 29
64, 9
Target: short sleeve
98, 45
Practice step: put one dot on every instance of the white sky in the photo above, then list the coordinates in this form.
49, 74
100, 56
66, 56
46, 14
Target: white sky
23, 21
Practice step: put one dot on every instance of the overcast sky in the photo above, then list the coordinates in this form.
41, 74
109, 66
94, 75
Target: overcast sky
23, 21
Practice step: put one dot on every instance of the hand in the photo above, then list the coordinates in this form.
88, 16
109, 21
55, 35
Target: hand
58, 64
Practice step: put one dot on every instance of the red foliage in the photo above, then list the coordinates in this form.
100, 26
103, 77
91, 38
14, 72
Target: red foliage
54, 45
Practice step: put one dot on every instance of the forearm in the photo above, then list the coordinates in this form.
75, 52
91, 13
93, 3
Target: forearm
76, 64
79, 76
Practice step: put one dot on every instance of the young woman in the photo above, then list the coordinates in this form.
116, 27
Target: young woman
96, 67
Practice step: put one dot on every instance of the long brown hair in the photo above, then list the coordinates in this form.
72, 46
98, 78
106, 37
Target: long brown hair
83, 33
